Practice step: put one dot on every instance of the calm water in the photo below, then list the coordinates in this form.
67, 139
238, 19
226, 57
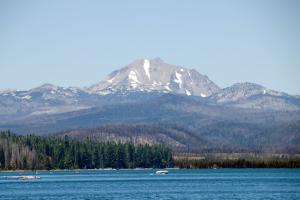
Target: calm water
143, 184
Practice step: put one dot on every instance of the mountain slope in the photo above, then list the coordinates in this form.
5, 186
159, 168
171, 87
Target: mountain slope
176, 138
195, 115
219, 137
254, 96
46, 99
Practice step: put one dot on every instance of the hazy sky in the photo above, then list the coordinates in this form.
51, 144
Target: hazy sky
77, 43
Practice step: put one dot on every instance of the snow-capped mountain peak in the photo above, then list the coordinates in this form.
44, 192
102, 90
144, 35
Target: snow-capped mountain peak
156, 75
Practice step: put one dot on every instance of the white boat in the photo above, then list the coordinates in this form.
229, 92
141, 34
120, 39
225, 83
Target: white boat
162, 172
28, 177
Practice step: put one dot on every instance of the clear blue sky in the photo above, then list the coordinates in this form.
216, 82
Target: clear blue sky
77, 43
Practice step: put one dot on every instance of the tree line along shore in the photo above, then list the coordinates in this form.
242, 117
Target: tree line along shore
31, 152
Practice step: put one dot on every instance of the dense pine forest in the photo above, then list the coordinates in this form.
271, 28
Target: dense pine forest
32, 152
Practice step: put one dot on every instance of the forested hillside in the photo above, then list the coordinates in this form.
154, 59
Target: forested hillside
219, 137
36, 152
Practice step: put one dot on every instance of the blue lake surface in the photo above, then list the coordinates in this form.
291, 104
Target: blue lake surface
144, 184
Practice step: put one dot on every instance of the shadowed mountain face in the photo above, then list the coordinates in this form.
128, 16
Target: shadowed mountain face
245, 116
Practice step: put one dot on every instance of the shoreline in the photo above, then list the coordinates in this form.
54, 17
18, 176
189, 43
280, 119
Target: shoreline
146, 169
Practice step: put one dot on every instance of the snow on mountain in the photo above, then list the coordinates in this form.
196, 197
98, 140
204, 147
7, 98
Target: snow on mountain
45, 99
242, 91
155, 75
147, 67
5, 91
251, 95
141, 80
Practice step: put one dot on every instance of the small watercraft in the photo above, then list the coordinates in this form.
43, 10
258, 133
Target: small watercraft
28, 177
162, 172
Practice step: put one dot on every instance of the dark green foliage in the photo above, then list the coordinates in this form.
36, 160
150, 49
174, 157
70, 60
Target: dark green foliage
2, 158
36, 152
239, 163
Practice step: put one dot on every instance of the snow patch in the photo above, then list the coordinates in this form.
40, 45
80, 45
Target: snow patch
181, 70
178, 79
104, 92
111, 80
27, 97
133, 77
203, 95
168, 88
188, 93
74, 90
190, 78
264, 91
134, 85
147, 68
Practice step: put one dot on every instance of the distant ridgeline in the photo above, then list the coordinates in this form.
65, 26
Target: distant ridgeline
35, 152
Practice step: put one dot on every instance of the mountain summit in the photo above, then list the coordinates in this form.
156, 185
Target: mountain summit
156, 75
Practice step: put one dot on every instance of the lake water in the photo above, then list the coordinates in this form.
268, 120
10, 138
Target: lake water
144, 184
